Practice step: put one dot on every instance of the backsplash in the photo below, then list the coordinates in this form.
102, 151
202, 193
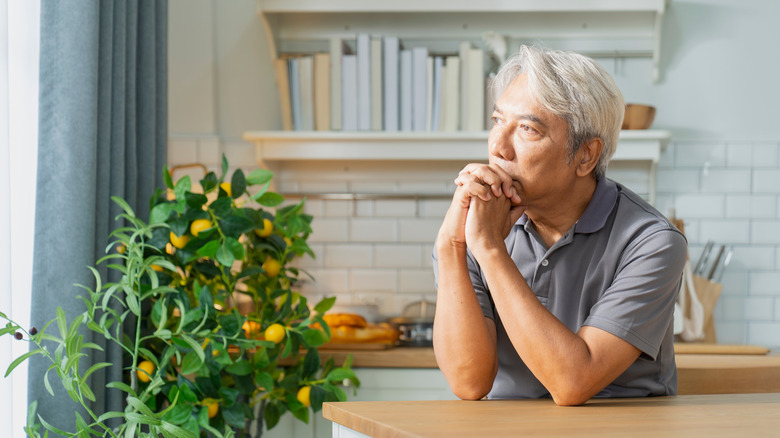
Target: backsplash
375, 249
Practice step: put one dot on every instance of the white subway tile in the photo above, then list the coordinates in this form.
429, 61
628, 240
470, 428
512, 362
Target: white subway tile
338, 207
777, 309
427, 259
759, 308
427, 187
416, 281
210, 153
751, 206
239, 154
328, 230
692, 230
677, 181
326, 281
282, 185
777, 258
699, 206
731, 332
730, 309
726, 181
182, 151
364, 208
665, 204
395, 208
739, 154
309, 186
764, 283
766, 334
419, 230
373, 230
667, 156
766, 181
725, 231
398, 256
374, 186
765, 155
372, 280
765, 231
314, 207
348, 256
700, 154
308, 262
735, 282
752, 258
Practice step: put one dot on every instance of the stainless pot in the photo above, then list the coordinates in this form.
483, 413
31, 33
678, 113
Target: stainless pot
415, 325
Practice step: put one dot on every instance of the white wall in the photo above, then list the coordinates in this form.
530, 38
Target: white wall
718, 96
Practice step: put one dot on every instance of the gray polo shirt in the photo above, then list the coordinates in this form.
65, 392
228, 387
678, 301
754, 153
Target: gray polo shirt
618, 269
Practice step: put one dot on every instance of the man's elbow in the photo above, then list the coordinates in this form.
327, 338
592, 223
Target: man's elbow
470, 391
570, 398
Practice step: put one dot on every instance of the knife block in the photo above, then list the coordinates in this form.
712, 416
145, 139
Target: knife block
708, 292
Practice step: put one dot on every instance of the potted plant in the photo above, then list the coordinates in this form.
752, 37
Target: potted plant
196, 363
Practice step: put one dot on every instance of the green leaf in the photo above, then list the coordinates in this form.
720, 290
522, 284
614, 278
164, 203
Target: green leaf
259, 176
62, 324
124, 205
270, 199
110, 415
311, 362
183, 185
191, 363
301, 414
122, 387
235, 248
325, 305
264, 380
229, 395
313, 337
209, 249
21, 359
240, 368
160, 213
172, 430
51, 428
234, 415
238, 183
142, 419
337, 375
139, 406
94, 368
224, 256
186, 393
224, 164
235, 225
178, 414
195, 347
209, 182
167, 177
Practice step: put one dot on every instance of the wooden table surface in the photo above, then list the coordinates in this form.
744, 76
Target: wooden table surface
740, 415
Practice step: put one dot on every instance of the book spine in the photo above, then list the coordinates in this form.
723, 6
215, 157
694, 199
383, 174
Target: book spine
364, 82
419, 89
349, 102
336, 51
391, 88
405, 98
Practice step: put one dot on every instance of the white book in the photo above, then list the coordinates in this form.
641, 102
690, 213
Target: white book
428, 92
391, 88
295, 94
419, 88
306, 71
438, 65
475, 91
336, 51
322, 91
405, 96
349, 103
464, 104
363, 53
451, 95
376, 84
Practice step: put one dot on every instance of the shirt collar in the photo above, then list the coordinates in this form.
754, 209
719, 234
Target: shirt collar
596, 213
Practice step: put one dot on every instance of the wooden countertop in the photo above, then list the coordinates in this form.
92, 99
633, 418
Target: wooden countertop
692, 415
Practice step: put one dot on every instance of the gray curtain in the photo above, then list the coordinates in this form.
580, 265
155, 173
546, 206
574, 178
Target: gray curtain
102, 132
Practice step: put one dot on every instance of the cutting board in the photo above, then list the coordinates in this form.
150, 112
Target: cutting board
706, 348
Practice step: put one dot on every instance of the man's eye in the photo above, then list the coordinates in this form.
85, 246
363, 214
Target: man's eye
528, 129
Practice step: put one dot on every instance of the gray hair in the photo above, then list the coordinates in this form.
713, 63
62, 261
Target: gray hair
574, 88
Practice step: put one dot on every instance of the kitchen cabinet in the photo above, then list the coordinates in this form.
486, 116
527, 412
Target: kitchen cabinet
603, 28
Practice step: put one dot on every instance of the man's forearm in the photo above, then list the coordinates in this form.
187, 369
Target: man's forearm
464, 342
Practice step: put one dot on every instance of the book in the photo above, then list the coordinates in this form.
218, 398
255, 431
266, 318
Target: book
463, 54
349, 100
474, 93
428, 92
419, 89
306, 72
336, 51
451, 95
295, 93
376, 83
405, 96
438, 65
322, 91
363, 54
391, 86
283, 84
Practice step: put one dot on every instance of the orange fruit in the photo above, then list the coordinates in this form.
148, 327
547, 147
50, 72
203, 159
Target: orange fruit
304, 396
179, 242
288, 241
199, 225
212, 405
268, 227
121, 249
271, 267
251, 329
227, 188
157, 268
275, 333
145, 370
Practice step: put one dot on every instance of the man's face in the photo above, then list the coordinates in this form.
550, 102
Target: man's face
530, 145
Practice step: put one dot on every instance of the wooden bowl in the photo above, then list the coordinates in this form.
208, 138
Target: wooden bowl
638, 116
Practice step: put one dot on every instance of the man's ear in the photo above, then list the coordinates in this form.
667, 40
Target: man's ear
588, 156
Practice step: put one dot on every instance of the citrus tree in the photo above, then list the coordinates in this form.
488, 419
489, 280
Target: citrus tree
196, 364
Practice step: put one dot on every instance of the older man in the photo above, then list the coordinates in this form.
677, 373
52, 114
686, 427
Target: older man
554, 281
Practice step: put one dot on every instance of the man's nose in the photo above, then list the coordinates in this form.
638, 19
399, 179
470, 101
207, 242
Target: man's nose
500, 143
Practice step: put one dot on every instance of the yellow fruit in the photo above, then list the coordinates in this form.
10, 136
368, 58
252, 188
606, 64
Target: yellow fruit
288, 241
169, 248
268, 227
304, 396
121, 249
271, 267
227, 188
274, 333
199, 225
157, 268
179, 242
212, 406
251, 329
145, 370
